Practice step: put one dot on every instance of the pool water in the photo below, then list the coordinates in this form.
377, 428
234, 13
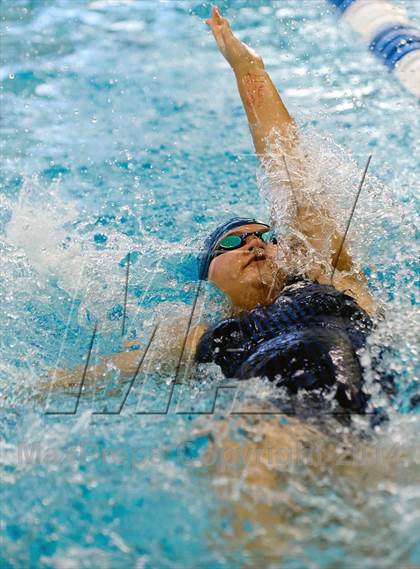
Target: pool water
122, 131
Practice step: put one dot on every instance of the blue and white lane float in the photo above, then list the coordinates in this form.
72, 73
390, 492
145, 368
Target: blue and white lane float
390, 35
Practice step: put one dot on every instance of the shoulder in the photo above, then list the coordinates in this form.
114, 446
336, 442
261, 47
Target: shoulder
214, 337
353, 286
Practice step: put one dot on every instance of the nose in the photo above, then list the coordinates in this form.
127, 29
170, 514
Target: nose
253, 241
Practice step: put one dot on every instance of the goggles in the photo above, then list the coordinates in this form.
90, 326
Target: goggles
231, 242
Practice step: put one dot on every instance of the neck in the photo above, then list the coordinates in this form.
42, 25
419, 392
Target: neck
257, 297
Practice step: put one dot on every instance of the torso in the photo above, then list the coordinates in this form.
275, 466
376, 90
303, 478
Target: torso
309, 337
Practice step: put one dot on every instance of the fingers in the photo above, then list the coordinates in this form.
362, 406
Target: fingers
219, 26
216, 18
216, 15
215, 24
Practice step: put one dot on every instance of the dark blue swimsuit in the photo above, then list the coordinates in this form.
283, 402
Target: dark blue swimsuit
308, 338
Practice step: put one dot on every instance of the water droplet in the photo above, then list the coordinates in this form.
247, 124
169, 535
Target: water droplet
11, 75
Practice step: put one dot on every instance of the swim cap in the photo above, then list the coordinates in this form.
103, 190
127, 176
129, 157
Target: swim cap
205, 256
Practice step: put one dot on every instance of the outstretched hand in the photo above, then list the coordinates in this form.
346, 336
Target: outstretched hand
234, 51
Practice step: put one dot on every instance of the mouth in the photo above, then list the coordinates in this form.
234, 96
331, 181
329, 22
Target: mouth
255, 258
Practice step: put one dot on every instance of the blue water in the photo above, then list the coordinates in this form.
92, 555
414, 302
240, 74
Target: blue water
122, 131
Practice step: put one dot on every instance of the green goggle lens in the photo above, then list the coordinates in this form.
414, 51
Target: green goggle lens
230, 242
235, 241
268, 236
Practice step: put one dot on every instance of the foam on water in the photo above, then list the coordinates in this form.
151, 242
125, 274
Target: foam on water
327, 178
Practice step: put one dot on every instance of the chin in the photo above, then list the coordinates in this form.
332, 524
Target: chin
258, 276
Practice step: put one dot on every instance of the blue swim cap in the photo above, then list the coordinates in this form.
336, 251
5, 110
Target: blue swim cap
205, 256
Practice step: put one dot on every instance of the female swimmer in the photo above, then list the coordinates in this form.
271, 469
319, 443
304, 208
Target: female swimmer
303, 332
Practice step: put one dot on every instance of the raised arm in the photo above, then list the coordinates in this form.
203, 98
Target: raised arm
265, 110
276, 141
276, 138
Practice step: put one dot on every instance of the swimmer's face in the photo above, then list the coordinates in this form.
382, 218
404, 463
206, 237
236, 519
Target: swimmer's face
245, 274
